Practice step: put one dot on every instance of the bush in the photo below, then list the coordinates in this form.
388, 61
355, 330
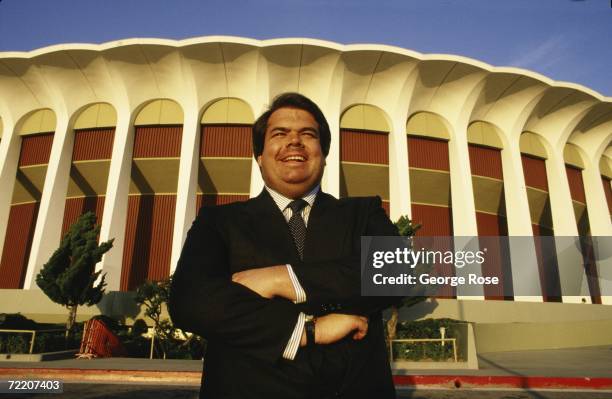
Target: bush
14, 343
429, 328
16, 321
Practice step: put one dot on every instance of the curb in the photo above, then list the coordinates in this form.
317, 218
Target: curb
513, 382
401, 381
106, 375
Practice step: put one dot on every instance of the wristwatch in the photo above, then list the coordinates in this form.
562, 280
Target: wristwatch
309, 325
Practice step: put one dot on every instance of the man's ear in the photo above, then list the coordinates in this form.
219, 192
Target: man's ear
259, 160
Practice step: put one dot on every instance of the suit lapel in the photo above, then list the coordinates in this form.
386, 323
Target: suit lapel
325, 228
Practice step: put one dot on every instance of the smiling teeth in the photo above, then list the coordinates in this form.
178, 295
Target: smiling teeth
295, 159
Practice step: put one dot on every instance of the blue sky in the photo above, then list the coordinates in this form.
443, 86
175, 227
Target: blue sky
566, 40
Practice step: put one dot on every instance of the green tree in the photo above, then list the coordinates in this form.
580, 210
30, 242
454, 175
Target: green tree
406, 229
69, 277
154, 295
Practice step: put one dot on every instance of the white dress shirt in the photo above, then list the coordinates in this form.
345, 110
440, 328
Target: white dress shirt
283, 204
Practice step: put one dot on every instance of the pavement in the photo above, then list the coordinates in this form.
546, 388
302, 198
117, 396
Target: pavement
580, 368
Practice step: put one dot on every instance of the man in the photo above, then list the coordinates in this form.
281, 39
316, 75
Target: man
273, 283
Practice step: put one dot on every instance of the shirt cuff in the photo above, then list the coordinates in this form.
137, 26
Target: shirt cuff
294, 342
300, 294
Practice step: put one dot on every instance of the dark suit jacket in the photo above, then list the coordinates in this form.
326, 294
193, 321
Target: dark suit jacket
247, 333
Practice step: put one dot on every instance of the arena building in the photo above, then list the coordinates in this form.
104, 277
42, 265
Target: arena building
145, 131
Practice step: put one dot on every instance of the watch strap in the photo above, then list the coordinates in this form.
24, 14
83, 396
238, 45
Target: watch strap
310, 330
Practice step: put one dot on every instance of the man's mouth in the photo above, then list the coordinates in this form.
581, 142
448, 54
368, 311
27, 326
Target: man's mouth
297, 158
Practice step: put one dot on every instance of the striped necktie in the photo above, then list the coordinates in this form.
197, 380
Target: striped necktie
297, 225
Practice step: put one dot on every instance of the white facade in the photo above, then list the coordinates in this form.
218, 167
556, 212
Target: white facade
194, 73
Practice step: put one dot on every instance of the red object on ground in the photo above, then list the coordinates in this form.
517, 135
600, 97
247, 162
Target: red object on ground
99, 341
501, 381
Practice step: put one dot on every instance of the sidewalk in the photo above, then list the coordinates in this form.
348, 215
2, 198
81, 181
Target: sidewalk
582, 368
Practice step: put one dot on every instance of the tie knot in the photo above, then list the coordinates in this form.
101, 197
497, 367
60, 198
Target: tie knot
297, 205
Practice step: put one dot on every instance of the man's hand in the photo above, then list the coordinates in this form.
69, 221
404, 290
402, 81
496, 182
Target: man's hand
267, 281
335, 326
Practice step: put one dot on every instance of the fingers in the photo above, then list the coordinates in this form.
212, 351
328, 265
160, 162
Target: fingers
362, 328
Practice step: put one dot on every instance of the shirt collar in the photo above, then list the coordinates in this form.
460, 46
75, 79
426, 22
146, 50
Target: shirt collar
282, 202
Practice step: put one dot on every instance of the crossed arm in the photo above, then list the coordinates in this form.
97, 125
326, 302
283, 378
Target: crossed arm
254, 312
274, 281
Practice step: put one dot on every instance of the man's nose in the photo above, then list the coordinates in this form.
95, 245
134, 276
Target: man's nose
295, 138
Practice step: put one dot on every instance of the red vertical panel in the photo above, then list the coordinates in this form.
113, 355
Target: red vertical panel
608, 190
75, 207
364, 146
547, 263
497, 259
35, 149
129, 269
226, 141
92, 144
534, 170
485, 161
491, 225
157, 141
548, 268
435, 220
17, 244
574, 178
427, 153
148, 239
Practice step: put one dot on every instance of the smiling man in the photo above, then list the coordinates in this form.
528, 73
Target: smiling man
273, 283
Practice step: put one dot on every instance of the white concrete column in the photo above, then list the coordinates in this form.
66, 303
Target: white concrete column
462, 192
399, 176
525, 271
599, 221
116, 200
257, 183
47, 234
331, 178
464, 209
9, 161
597, 205
569, 257
187, 183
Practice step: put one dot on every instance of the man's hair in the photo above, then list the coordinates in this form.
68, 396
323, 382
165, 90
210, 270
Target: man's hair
290, 100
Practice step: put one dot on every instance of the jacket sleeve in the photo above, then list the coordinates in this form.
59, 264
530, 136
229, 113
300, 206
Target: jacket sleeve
334, 286
205, 301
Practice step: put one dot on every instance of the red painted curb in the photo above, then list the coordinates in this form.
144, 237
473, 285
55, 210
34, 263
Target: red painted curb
472, 381
75, 374
412, 381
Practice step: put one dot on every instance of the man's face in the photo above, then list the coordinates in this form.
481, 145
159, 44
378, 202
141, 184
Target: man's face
292, 162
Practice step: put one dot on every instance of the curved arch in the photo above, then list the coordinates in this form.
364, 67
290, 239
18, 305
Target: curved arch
365, 117
575, 156
38, 121
228, 110
159, 112
605, 166
533, 144
428, 124
486, 134
95, 115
